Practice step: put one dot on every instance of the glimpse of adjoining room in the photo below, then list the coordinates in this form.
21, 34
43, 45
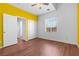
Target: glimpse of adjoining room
21, 28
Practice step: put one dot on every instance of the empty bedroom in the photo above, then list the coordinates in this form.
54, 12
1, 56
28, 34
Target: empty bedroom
39, 29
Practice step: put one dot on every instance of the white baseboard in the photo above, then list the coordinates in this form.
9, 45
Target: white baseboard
31, 37
58, 41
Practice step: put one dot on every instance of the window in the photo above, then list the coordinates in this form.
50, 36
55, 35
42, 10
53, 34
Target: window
51, 24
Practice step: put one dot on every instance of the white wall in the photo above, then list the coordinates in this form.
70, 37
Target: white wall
32, 29
67, 24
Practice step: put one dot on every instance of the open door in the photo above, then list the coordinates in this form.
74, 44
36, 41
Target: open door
9, 30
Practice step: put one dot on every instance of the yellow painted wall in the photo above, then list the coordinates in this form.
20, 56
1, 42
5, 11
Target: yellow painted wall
1, 30
78, 23
9, 9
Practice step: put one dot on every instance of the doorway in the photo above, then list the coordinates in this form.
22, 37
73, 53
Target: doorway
21, 28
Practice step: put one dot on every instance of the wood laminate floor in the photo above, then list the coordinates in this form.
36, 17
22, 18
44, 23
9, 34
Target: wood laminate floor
40, 47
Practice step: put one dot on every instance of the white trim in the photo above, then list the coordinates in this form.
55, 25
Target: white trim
59, 41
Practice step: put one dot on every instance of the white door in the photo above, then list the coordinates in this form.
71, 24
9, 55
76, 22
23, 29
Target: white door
9, 30
32, 29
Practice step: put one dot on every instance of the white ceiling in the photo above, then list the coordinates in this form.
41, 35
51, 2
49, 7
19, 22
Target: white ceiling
35, 10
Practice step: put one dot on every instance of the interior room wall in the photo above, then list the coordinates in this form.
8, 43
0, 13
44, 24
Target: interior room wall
1, 29
9, 9
78, 23
66, 14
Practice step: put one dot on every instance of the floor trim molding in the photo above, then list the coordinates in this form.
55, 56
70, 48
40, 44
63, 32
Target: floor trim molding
58, 41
